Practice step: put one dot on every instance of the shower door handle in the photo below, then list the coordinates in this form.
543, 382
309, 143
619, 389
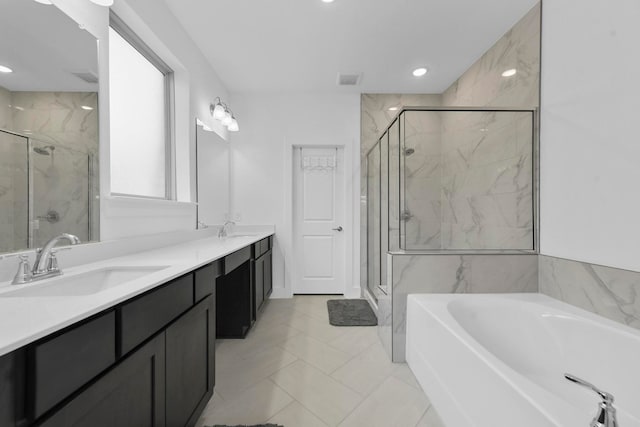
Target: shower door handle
337, 229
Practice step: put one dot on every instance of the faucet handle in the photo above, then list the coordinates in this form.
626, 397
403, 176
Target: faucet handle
607, 397
606, 416
23, 275
52, 264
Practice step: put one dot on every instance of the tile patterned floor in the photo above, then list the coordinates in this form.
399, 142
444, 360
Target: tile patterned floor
296, 370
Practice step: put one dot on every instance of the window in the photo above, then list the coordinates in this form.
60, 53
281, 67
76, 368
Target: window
141, 112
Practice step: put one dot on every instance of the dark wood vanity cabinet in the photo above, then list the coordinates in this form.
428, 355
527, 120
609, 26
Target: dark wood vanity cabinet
243, 288
263, 284
234, 295
149, 361
190, 363
131, 394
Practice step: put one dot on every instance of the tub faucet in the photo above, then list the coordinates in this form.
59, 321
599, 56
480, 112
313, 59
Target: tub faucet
606, 416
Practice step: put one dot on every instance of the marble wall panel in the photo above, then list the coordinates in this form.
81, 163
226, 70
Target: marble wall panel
483, 85
455, 274
610, 292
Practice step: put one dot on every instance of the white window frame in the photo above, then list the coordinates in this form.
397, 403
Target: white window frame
119, 26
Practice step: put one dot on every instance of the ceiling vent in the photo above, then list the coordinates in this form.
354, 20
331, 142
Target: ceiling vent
348, 79
87, 76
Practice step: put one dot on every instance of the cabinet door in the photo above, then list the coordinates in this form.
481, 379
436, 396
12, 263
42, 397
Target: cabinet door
12, 386
132, 394
190, 364
268, 278
258, 282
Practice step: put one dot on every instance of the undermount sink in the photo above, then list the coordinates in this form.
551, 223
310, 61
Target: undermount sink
88, 283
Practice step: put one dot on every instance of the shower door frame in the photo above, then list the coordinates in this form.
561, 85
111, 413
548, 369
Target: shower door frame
535, 151
30, 183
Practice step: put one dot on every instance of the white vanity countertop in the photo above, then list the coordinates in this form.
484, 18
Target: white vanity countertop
26, 319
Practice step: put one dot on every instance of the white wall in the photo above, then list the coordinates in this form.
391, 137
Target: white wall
196, 84
590, 208
261, 166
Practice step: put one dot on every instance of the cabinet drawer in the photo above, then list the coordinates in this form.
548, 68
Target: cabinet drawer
205, 280
236, 259
62, 364
146, 315
264, 246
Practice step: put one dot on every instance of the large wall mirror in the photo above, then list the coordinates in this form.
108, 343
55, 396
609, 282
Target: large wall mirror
212, 154
48, 127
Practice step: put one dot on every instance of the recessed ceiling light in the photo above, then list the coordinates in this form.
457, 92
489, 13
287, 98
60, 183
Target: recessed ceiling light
18, 108
509, 73
86, 107
5, 69
44, 1
419, 72
327, 1
393, 108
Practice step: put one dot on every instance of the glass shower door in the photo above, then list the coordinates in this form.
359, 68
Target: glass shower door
14, 183
60, 192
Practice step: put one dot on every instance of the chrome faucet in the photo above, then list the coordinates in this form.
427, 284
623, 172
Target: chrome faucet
223, 230
46, 264
606, 416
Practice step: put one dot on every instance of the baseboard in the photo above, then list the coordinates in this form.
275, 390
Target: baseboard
281, 293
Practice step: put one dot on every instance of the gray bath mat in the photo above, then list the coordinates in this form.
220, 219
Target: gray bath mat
351, 312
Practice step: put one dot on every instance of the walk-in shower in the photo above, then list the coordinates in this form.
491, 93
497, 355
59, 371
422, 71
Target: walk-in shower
450, 180
45, 190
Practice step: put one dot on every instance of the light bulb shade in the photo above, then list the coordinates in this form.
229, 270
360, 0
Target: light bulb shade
233, 126
218, 112
103, 2
227, 119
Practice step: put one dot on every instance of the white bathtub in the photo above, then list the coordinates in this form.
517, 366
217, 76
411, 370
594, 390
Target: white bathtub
499, 360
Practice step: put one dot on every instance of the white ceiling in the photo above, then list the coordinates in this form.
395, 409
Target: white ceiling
43, 46
301, 45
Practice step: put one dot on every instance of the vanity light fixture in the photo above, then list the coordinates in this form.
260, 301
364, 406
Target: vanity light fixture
221, 112
228, 118
86, 107
419, 72
510, 72
5, 69
218, 110
233, 126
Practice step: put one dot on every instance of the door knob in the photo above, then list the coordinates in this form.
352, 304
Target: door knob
337, 229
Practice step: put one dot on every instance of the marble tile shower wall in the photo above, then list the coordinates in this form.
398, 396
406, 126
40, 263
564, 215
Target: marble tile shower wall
610, 292
422, 180
13, 192
451, 274
487, 188
60, 180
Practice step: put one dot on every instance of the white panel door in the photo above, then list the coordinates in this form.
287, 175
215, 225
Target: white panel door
319, 221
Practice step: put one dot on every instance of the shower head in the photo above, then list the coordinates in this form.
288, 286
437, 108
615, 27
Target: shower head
44, 151
409, 151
